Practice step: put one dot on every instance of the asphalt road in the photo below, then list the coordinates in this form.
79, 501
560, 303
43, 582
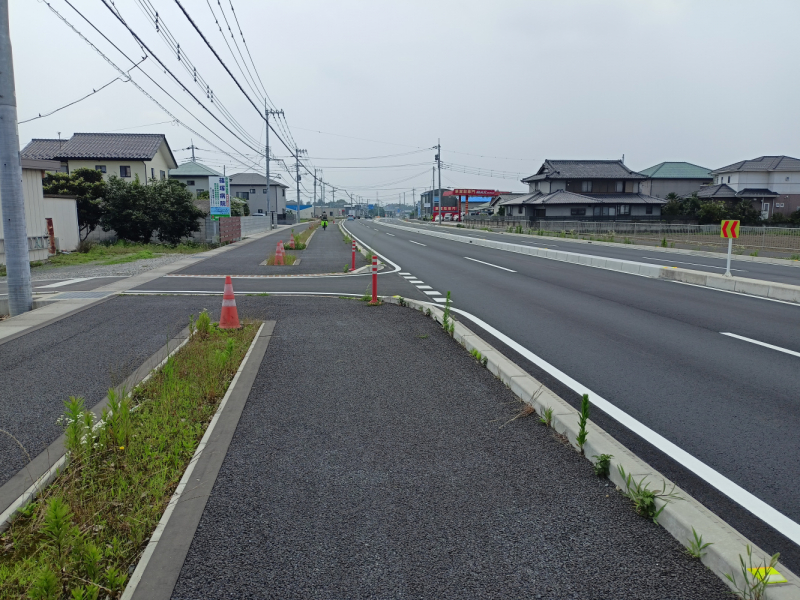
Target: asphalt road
790, 273
54, 286
653, 348
358, 471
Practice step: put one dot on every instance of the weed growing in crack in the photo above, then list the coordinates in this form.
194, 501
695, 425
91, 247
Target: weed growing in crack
476, 354
602, 465
756, 577
582, 419
447, 321
643, 498
402, 301
696, 546
547, 416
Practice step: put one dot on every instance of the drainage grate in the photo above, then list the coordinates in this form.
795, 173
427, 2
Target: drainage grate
81, 295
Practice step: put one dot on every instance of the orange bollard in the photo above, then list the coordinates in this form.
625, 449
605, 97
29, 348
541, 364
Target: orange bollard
374, 279
229, 318
279, 252
353, 268
291, 242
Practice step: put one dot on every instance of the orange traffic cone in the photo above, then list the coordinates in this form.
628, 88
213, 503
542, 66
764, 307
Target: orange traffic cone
229, 318
291, 242
279, 252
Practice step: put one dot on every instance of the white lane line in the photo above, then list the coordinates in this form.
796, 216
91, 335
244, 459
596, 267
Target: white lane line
738, 494
67, 282
404, 273
391, 234
489, 264
409, 276
677, 262
417, 243
431, 292
752, 341
415, 281
424, 287
439, 299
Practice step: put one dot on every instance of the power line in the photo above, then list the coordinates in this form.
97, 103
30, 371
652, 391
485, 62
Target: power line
92, 93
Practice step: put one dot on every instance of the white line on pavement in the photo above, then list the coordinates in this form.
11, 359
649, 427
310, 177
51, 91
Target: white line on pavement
738, 494
67, 282
752, 341
439, 299
404, 273
431, 292
417, 243
489, 264
677, 262
424, 287
409, 276
391, 234
415, 281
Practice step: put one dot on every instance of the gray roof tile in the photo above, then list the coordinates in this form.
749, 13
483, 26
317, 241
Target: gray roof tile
719, 191
253, 179
763, 163
583, 169
42, 149
113, 146
193, 169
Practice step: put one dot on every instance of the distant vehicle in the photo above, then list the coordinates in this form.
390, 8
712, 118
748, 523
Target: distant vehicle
448, 217
351, 218
257, 215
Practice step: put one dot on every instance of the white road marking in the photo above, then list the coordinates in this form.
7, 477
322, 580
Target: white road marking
703, 287
417, 243
67, 282
738, 494
677, 262
404, 273
424, 287
391, 234
432, 292
439, 299
415, 281
409, 276
752, 341
489, 264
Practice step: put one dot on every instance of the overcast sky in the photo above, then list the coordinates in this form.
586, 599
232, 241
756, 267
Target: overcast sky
505, 84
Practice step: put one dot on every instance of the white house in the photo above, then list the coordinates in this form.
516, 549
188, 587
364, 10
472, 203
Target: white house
771, 183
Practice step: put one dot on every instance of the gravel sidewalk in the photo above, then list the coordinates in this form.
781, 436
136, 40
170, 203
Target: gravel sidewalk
88, 270
375, 459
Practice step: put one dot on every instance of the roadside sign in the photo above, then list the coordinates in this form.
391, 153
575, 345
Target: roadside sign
219, 196
730, 229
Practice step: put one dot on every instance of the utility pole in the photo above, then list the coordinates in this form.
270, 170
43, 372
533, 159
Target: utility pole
297, 153
12, 201
274, 216
439, 163
192, 147
433, 187
314, 205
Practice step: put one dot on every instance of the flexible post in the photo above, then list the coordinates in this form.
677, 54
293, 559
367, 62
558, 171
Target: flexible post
374, 279
353, 267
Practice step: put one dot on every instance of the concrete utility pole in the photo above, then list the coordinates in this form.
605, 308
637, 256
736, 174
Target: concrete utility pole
297, 153
192, 147
273, 219
433, 188
439, 163
314, 204
12, 201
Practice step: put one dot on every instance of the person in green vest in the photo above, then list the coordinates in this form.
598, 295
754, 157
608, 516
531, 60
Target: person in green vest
324, 223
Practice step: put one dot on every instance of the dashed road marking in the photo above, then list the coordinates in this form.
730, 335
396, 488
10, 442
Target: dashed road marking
489, 264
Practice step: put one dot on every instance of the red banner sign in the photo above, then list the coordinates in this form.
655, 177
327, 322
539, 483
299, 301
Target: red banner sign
475, 193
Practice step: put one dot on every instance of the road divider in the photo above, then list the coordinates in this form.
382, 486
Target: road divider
681, 516
753, 287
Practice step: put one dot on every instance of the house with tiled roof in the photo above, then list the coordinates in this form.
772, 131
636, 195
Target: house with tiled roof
262, 199
677, 178
194, 176
771, 183
584, 190
127, 155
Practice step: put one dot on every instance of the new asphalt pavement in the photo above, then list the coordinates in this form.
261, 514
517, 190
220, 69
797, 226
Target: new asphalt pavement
375, 458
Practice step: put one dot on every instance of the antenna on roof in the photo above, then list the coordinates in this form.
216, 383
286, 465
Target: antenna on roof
623, 159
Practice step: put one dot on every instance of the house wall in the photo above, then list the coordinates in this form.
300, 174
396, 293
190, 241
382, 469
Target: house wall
660, 188
64, 212
784, 183
144, 169
200, 182
34, 216
544, 186
258, 200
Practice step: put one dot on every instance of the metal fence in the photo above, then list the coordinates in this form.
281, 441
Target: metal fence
767, 238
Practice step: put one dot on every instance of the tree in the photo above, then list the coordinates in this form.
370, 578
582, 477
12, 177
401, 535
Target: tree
137, 211
88, 187
127, 210
239, 208
712, 211
745, 212
174, 215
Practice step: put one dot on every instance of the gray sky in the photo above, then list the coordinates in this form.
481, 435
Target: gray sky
504, 84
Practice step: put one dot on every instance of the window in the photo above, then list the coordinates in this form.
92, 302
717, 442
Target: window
265, 191
163, 174
577, 212
536, 186
648, 210
252, 191
190, 182
605, 211
261, 211
729, 178
124, 171
620, 187
102, 168
283, 192
152, 173
520, 209
787, 179
540, 212
624, 209
243, 195
586, 186
199, 191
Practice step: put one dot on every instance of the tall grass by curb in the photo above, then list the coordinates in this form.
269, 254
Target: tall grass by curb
82, 535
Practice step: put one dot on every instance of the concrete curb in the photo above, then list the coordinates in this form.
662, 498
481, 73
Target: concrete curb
752, 287
45, 467
785, 262
678, 516
160, 565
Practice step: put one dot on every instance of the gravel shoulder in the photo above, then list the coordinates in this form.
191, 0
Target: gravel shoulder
97, 270
376, 459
